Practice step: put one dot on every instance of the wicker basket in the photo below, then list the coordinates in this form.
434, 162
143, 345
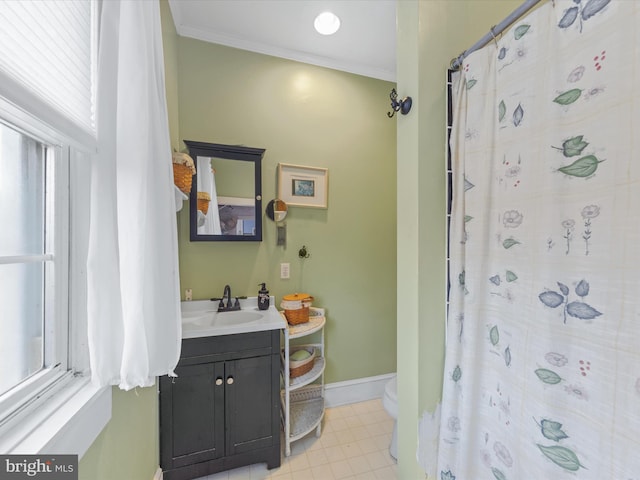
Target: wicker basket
296, 307
296, 369
296, 317
182, 176
203, 202
183, 170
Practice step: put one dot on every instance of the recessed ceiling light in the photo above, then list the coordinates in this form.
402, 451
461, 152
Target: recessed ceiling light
327, 23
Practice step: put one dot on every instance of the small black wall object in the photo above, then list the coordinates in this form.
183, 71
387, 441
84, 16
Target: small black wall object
403, 106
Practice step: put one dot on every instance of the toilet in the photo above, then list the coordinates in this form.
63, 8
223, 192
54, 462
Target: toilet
390, 403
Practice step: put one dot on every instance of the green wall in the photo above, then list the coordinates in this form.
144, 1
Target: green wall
430, 34
304, 115
127, 448
343, 278
301, 115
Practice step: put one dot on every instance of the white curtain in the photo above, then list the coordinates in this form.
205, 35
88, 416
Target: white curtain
133, 287
542, 370
207, 183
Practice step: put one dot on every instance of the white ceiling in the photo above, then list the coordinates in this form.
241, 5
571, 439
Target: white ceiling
365, 43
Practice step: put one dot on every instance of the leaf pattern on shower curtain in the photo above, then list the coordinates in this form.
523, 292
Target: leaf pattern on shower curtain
518, 115
494, 335
542, 383
513, 48
520, 31
548, 376
581, 11
568, 97
577, 309
573, 146
561, 456
507, 243
585, 166
552, 430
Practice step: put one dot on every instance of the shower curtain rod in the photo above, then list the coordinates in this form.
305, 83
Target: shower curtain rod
494, 32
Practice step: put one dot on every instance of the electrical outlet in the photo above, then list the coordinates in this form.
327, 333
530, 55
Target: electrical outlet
285, 270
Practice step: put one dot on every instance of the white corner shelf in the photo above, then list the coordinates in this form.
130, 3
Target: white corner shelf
180, 198
306, 413
310, 376
302, 397
315, 323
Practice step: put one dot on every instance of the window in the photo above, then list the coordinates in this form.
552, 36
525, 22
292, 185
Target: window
49, 48
33, 265
23, 254
48, 54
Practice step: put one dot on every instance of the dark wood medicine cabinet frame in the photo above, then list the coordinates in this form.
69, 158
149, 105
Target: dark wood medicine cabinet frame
229, 152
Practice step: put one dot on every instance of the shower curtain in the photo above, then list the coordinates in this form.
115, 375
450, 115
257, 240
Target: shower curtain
542, 370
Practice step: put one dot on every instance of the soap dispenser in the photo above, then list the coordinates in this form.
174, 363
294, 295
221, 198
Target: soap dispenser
263, 297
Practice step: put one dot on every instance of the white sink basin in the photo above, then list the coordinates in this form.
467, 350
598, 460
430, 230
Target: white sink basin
201, 318
221, 318
240, 316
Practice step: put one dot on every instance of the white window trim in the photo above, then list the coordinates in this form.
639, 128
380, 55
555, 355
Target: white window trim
66, 422
71, 412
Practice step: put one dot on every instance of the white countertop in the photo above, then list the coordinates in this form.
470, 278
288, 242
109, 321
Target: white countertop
200, 318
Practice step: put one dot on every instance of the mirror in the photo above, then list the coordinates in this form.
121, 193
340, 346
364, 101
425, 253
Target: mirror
225, 203
276, 210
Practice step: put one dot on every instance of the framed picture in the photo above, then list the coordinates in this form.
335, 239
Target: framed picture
302, 186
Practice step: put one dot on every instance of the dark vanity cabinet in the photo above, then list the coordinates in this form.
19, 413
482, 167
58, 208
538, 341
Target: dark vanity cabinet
222, 411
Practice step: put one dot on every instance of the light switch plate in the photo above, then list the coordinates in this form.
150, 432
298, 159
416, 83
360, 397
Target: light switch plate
285, 270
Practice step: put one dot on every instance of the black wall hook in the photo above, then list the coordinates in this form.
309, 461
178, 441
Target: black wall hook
403, 106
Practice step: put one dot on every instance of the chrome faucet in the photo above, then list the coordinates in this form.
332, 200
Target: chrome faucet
226, 304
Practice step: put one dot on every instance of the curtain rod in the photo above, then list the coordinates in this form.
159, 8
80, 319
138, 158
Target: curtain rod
495, 31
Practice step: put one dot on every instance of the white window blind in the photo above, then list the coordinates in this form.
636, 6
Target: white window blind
49, 47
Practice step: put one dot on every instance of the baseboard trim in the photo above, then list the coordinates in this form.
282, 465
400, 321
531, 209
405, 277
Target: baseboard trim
158, 475
357, 390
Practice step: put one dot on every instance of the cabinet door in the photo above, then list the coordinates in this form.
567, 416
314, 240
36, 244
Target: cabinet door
252, 403
192, 406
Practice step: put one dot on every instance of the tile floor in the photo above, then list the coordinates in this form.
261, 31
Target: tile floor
354, 445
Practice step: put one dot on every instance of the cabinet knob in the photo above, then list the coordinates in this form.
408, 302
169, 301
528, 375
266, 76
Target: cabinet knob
219, 381
230, 381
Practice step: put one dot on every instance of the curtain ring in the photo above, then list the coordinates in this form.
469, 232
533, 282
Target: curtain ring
495, 40
456, 63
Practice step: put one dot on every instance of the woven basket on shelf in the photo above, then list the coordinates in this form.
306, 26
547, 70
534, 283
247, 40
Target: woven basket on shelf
203, 202
296, 369
296, 307
182, 177
296, 317
183, 171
